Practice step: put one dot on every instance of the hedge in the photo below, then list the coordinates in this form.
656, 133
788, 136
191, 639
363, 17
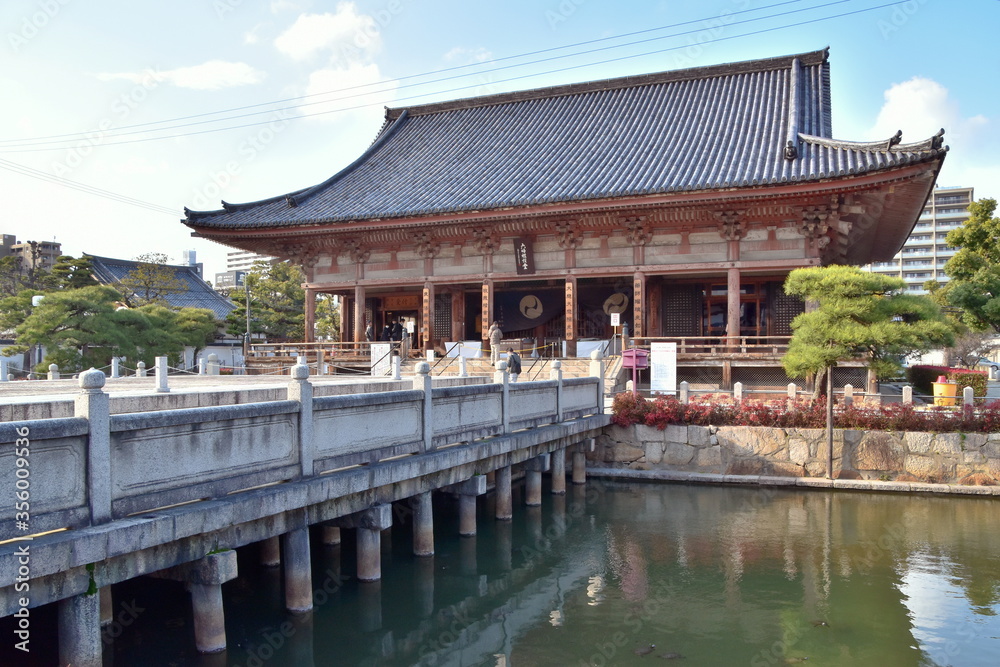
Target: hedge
923, 377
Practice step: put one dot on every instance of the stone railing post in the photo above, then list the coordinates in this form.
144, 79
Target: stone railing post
92, 405
907, 395
201, 366
685, 392
301, 390
462, 371
116, 367
501, 377
53, 372
396, 366
140, 369
597, 371
848, 394
214, 367
3, 369
738, 392
161, 375
320, 362
556, 374
422, 382
968, 400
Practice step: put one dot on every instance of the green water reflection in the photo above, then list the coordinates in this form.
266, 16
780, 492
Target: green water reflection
622, 574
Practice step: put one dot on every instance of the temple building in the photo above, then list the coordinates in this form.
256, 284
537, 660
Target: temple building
680, 200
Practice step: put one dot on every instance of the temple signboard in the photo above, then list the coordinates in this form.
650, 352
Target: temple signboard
524, 256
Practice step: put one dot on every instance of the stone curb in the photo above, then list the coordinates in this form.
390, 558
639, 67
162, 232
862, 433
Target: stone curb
680, 476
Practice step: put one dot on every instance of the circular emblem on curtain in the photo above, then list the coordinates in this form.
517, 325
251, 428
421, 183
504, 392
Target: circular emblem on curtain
616, 303
531, 307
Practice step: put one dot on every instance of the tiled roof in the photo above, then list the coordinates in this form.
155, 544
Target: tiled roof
744, 124
198, 294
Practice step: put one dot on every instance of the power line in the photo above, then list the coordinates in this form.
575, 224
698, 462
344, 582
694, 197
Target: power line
18, 149
38, 140
89, 189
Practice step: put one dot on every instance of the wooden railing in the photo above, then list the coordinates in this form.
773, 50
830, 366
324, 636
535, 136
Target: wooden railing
760, 346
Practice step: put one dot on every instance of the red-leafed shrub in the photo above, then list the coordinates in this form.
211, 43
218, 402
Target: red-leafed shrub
721, 410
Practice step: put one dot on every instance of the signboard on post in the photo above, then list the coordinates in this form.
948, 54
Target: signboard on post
663, 368
616, 319
381, 361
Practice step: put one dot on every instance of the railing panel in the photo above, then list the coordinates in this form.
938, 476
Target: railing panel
55, 478
466, 413
367, 427
165, 458
532, 404
580, 397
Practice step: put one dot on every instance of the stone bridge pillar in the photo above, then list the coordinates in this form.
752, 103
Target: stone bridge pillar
369, 524
559, 472
80, 631
204, 579
298, 570
467, 492
533, 479
504, 505
423, 524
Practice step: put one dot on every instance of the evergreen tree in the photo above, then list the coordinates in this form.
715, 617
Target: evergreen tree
150, 282
974, 271
277, 302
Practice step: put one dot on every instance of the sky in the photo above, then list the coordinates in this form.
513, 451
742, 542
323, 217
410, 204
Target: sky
116, 114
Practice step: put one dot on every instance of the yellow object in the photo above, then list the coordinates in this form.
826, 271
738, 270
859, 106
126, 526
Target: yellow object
945, 393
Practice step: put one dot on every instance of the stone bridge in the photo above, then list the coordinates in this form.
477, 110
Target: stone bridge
103, 496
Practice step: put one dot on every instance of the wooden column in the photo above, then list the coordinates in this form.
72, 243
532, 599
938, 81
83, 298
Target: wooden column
487, 315
359, 312
654, 308
571, 316
639, 310
310, 333
345, 308
457, 313
427, 321
733, 305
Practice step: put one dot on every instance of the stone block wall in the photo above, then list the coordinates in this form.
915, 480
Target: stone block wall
944, 458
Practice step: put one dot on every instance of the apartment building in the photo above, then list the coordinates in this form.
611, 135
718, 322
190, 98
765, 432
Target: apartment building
925, 252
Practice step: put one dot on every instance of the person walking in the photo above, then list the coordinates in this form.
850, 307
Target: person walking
495, 336
513, 364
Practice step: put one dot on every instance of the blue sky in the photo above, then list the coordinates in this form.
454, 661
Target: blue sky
84, 83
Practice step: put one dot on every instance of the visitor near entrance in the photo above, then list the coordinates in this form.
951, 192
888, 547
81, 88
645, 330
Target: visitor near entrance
513, 364
495, 336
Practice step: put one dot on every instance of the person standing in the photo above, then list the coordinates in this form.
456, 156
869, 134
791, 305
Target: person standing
397, 330
513, 364
495, 336
369, 332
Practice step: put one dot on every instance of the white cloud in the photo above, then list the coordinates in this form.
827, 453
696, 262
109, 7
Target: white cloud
348, 88
283, 5
466, 55
212, 75
345, 36
920, 107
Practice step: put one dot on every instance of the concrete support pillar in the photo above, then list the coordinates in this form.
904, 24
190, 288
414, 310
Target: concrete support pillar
298, 570
270, 552
359, 312
533, 479
579, 467
209, 617
80, 631
423, 524
330, 536
559, 472
107, 607
369, 524
468, 491
504, 504
369, 554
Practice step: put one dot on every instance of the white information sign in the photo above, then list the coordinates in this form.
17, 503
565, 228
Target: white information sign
381, 361
663, 367
616, 319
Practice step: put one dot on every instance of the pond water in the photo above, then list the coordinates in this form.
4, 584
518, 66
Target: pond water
623, 574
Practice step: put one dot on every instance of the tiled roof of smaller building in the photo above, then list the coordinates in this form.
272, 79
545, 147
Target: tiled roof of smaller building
198, 293
738, 125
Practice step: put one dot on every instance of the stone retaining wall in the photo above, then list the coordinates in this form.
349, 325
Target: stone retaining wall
937, 458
